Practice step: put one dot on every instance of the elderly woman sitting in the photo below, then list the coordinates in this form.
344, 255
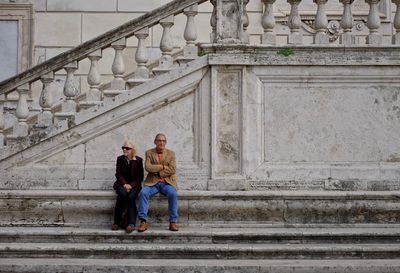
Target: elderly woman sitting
129, 174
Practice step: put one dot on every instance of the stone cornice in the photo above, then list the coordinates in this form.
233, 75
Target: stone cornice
208, 195
100, 42
302, 55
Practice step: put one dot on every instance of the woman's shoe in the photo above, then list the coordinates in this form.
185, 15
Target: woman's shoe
114, 227
130, 228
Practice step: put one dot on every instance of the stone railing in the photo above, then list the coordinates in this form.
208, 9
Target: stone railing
321, 27
229, 22
62, 115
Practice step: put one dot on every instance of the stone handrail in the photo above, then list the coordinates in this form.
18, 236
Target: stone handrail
100, 42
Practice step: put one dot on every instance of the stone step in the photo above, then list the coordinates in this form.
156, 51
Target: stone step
200, 251
198, 266
205, 235
95, 208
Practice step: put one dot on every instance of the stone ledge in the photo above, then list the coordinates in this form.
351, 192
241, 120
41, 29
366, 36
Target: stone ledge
201, 195
199, 265
300, 55
205, 234
87, 208
203, 251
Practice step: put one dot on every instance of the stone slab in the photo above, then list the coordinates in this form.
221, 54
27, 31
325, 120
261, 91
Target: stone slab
205, 234
82, 5
39, 5
86, 208
61, 29
175, 118
334, 129
94, 24
199, 266
140, 5
204, 251
42, 177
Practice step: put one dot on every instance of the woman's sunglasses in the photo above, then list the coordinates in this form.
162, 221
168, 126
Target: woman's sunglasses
126, 148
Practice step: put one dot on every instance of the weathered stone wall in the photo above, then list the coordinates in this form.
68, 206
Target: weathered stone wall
326, 120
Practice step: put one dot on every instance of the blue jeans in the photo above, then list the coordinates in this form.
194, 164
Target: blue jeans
123, 198
166, 190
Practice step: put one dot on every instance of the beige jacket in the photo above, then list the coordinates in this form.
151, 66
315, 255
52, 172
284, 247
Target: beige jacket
155, 169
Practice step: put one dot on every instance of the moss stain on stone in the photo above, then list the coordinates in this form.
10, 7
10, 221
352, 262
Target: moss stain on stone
393, 158
286, 52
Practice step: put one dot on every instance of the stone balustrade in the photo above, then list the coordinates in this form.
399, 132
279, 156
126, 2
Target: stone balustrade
229, 21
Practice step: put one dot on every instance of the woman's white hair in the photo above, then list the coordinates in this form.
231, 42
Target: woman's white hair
130, 144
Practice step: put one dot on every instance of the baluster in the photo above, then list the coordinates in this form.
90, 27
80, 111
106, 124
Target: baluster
1, 122
245, 38
68, 107
396, 23
373, 23
213, 22
45, 117
93, 95
268, 23
118, 66
142, 72
166, 60
294, 23
70, 88
190, 34
321, 23
9, 107
22, 112
347, 38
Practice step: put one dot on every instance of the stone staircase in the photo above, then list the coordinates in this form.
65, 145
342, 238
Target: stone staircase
202, 249
249, 231
80, 208
245, 205
223, 243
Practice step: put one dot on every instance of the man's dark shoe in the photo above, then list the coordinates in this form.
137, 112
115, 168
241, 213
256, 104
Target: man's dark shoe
173, 226
130, 228
143, 226
114, 227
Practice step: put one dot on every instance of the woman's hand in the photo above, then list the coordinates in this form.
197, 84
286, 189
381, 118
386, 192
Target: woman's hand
127, 187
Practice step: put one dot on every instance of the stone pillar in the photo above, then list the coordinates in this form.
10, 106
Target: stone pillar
373, 23
347, 38
166, 46
213, 22
396, 23
118, 66
22, 112
45, 117
68, 107
294, 23
226, 136
142, 72
70, 88
245, 37
231, 22
1, 122
93, 95
268, 23
321, 23
190, 34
